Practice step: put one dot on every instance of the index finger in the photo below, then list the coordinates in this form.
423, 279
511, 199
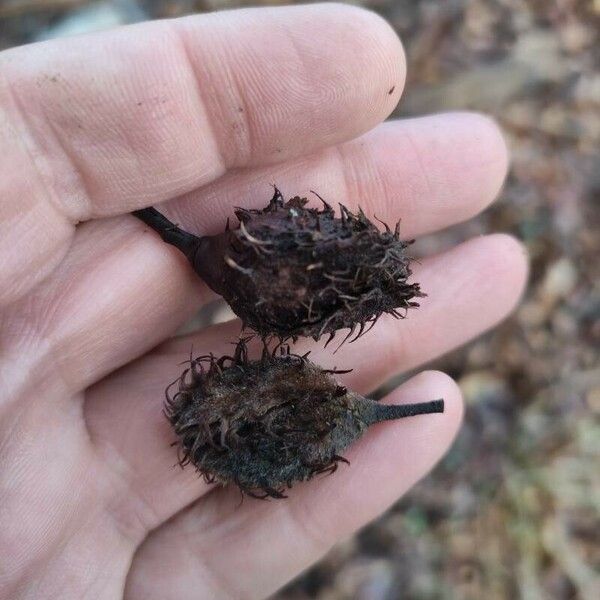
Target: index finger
105, 124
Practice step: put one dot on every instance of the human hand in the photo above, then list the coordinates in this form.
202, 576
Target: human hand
202, 113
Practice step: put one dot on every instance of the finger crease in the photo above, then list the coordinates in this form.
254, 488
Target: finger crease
179, 39
51, 197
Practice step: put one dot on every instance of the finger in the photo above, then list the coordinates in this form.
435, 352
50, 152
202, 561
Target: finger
470, 289
421, 180
220, 548
432, 172
102, 124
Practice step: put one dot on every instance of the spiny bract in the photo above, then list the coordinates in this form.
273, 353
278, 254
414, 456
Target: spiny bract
267, 423
296, 271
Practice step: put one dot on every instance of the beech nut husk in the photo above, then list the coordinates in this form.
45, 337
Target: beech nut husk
290, 271
265, 424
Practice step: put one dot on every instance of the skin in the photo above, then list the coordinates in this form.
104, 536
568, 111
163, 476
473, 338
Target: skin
201, 114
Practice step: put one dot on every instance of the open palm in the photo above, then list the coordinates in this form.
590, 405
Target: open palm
201, 114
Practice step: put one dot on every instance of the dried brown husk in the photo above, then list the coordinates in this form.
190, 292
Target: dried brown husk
265, 424
291, 271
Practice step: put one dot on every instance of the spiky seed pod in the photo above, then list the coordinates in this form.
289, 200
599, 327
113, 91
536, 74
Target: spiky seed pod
265, 424
290, 270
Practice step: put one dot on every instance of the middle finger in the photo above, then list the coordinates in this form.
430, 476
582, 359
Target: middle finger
122, 289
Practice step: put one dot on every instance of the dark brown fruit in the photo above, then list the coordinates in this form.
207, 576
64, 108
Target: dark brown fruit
267, 423
291, 271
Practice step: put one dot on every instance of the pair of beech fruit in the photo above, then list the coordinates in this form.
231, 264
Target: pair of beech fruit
287, 271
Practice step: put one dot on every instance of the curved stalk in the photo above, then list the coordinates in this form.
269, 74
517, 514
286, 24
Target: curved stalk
169, 232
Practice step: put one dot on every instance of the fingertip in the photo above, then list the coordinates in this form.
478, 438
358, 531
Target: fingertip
492, 268
367, 56
384, 47
493, 151
480, 147
507, 260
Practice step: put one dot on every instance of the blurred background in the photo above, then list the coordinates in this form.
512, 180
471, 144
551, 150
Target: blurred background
514, 509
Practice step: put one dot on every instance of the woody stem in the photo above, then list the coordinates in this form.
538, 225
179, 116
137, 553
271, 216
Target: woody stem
168, 231
388, 412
